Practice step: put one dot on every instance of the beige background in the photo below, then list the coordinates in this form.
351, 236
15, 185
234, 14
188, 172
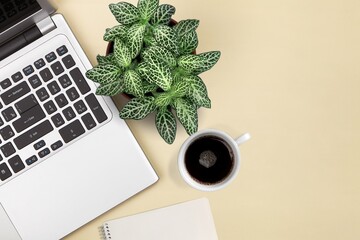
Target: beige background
289, 75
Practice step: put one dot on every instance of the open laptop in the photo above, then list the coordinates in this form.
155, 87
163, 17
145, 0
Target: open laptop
65, 155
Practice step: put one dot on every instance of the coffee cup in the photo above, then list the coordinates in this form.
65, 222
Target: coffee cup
209, 160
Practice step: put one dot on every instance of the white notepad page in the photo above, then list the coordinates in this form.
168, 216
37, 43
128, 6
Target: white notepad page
185, 221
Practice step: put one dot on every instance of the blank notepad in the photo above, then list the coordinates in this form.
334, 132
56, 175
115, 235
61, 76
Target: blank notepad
185, 221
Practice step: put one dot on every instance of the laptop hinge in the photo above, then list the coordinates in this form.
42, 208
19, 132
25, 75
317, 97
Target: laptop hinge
19, 42
42, 27
46, 25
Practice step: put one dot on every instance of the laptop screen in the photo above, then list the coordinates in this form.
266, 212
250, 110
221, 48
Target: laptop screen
14, 11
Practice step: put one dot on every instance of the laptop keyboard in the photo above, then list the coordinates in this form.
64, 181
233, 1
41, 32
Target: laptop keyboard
45, 106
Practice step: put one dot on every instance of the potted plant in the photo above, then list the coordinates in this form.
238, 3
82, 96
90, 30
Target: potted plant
154, 62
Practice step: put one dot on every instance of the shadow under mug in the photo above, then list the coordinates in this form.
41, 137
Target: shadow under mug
231, 143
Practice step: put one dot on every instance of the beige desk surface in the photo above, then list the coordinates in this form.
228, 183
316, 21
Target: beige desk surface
289, 74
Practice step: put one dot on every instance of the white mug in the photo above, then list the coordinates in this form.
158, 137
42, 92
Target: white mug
231, 143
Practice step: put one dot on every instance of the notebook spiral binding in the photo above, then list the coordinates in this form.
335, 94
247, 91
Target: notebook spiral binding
104, 232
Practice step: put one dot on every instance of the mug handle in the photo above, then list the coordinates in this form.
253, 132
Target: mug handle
243, 138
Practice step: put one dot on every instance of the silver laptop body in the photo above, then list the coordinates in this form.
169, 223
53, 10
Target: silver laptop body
65, 155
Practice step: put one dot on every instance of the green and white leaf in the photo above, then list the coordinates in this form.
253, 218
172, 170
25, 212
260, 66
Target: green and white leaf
186, 112
163, 14
149, 41
209, 60
110, 89
163, 99
133, 83
118, 31
122, 53
183, 27
166, 125
197, 64
191, 63
166, 37
106, 60
180, 88
197, 91
104, 74
160, 53
143, 69
147, 8
156, 72
125, 13
138, 108
135, 36
188, 42
148, 87
178, 75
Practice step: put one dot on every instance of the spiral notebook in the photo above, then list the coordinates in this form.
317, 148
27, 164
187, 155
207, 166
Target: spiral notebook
189, 220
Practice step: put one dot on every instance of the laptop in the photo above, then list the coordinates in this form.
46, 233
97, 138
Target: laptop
65, 155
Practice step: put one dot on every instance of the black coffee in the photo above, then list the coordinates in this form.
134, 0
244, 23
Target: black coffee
209, 160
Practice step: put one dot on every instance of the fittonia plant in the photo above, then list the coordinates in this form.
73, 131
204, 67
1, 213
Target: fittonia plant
154, 62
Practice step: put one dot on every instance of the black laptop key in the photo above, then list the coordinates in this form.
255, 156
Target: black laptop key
31, 160
58, 120
1, 122
72, 94
9, 8
44, 152
71, 131
26, 103
15, 92
80, 80
80, 107
88, 121
69, 113
65, 81
2, 19
35, 81
21, 5
56, 145
5, 83
28, 70
33, 134
11, 13
9, 114
96, 108
53, 87
39, 63
57, 68
42, 94
17, 77
5, 172
61, 100
29, 118
46, 75
6, 132
39, 144
68, 61
50, 57
50, 107
16, 164
62, 50
7, 149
